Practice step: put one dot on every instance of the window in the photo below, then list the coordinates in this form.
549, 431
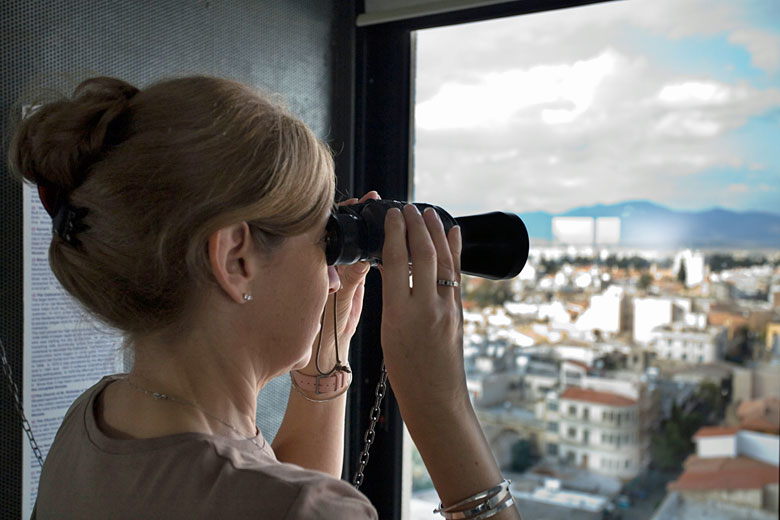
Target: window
552, 427
471, 116
552, 450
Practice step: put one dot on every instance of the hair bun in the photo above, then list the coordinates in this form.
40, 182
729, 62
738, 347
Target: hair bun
58, 142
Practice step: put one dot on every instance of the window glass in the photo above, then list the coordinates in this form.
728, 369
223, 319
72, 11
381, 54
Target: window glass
638, 142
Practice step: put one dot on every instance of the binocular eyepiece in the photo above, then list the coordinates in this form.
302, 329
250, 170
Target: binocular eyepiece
495, 245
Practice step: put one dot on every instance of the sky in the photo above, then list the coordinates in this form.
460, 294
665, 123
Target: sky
673, 101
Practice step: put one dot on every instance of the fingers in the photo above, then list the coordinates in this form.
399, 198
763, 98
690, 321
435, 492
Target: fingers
455, 241
370, 195
445, 269
395, 264
434, 255
422, 250
352, 276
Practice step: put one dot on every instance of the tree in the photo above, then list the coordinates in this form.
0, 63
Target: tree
682, 274
710, 398
675, 442
645, 281
522, 456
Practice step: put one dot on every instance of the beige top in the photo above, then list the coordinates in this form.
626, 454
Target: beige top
189, 475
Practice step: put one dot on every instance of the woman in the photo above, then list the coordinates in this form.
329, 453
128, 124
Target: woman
191, 216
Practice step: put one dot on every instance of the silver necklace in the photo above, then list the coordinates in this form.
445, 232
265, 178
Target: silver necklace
157, 396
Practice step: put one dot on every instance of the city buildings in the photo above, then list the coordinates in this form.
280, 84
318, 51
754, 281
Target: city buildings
689, 344
732, 466
601, 425
585, 361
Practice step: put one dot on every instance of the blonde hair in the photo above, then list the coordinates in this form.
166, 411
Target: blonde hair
159, 171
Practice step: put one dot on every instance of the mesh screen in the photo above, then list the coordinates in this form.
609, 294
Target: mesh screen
287, 46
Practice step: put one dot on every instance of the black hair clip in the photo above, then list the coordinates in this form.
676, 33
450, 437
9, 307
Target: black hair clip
67, 223
66, 220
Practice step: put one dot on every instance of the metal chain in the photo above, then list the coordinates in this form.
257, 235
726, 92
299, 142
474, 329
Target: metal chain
18, 404
368, 438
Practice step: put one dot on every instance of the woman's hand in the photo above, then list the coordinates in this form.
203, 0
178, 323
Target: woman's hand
349, 306
422, 325
422, 339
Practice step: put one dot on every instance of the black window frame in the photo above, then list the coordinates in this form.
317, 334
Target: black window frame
381, 160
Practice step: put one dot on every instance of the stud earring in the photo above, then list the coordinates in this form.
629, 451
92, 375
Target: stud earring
247, 297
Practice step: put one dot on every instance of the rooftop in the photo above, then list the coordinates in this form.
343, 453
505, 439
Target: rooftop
716, 431
760, 415
724, 473
676, 506
592, 396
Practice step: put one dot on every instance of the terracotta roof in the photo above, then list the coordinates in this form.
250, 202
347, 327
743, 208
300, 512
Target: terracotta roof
716, 431
592, 396
761, 415
724, 473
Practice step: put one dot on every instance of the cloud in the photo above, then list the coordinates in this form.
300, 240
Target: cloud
699, 92
556, 110
764, 47
738, 188
564, 91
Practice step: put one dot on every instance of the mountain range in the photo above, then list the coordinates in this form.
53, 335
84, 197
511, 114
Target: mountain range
645, 223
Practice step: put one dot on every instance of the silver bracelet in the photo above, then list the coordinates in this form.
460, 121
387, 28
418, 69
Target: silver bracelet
509, 502
483, 496
488, 505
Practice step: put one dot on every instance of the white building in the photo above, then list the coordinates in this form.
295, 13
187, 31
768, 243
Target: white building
694, 266
608, 230
732, 466
573, 230
598, 431
650, 313
603, 314
689, 345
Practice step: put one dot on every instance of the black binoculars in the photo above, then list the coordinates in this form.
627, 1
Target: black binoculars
495, 245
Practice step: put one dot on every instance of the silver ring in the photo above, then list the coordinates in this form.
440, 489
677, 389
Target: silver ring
448, 283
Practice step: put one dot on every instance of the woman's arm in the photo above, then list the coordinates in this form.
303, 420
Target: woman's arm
422, 339
312, 433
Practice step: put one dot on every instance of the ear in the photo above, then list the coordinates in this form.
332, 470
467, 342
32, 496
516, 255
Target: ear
231, 251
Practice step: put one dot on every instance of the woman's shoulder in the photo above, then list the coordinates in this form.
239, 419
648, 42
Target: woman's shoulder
294, 491
190, 475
